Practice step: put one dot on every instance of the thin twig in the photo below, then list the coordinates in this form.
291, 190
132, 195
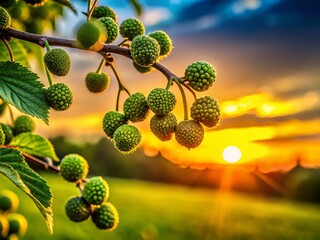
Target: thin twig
190, 89
9, 48
62, 42
40, 162
184, 99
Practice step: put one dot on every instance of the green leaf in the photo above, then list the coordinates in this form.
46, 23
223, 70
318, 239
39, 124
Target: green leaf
34, 145
14, 167
20, 87
3, 107
137, 7
68, 4
18, 50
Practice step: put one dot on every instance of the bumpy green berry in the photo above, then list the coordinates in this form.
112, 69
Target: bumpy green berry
96, 191
77, 209
8, 201
145, 50
164, 42
104, 11
200, 75
189, 133
143, 69
161, 101
73, 167
8, 3
127, 138
5, 19
17, 224
2, 136
135, 107
91, 35
111, 121
131, 28
23, 124
163, 127
206, 110
97, 82
106, 217
111, 28
57, 61
36, 2
7, 132
59, 97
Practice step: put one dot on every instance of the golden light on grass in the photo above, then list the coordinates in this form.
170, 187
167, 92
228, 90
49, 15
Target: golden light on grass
231, 154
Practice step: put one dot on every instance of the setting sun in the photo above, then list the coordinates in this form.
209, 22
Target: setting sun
231, 154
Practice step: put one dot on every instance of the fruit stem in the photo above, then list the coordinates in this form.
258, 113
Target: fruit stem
102, 63
123, 42
184, 99
121, 86
46, 44
91, 7
190, 89
169, 84
49, 76
8, 48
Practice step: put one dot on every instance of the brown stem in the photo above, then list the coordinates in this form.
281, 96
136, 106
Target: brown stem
40, 162
62, 42
8, 48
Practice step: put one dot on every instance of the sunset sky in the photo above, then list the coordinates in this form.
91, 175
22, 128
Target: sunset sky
267, 56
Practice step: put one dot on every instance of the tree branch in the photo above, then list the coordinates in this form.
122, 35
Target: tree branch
62, 42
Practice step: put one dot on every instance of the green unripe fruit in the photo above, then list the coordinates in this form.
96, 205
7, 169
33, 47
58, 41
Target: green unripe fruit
5, 19
201, 75
8, 3
104, 11
2, 136
111, 28
7, 132
135, 107
127, 138
111, 121
91, 35
97, 82
9, 201
73, 168
59, 97
77, 209
143, 69
17, 224
189, 133
106, 217
36, 3
4, 227
206, 110
57, 61
161, 101
131, 28
164, 42
163, 127
23, 124
144, 50
96, 191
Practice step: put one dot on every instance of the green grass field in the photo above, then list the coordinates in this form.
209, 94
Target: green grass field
151, 211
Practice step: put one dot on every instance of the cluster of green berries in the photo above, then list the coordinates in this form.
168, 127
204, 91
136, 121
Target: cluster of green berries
12, 224
95, 193
59, 95
22, 124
